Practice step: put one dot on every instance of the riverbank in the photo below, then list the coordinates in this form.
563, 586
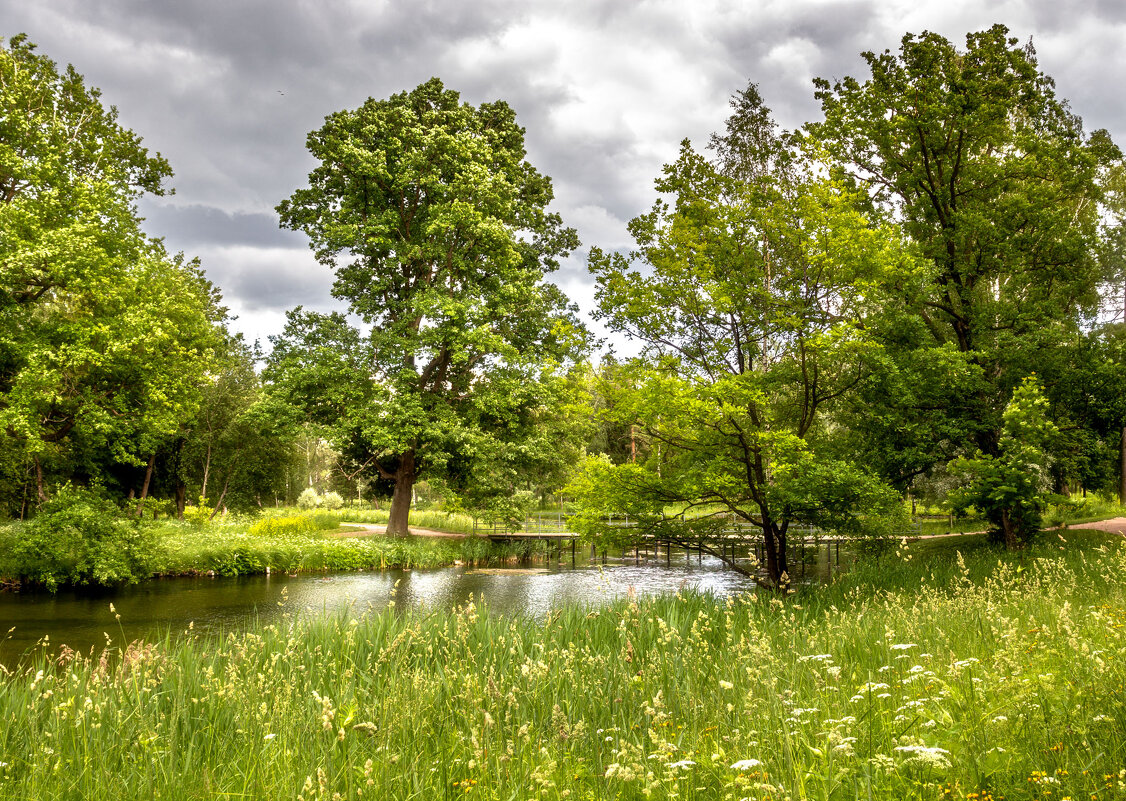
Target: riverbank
935, 676
122, 550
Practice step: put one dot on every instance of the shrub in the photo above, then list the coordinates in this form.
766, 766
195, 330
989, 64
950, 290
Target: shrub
80, 538
332, 500
308, 499
198, 515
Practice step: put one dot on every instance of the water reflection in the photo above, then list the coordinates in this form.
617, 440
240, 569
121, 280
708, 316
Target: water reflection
82, 620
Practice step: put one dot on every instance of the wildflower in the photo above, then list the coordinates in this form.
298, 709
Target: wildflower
726, 684
269, 737
746, 764
684, 763
903, 646
928, 755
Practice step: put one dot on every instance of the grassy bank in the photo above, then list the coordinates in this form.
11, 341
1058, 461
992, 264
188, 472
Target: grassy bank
286, 541
311, 541
930, 677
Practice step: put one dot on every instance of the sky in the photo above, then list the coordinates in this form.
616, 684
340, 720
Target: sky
227, 91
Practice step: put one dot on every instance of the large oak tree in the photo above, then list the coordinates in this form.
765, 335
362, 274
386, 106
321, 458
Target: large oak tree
437, 228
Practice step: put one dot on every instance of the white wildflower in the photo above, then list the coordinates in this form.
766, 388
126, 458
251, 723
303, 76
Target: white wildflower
746, 764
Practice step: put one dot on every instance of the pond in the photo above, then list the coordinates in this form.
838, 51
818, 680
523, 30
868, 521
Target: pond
82, 619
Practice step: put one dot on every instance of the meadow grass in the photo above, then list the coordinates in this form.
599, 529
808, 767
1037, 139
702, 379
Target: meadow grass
933, 675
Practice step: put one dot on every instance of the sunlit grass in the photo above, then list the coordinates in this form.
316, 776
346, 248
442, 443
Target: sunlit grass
930, 676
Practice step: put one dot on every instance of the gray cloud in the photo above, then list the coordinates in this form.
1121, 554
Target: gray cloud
188, 228
606, 90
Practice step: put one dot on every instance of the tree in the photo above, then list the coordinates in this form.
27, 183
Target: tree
438, 230
1113, 256
1011, 489
748, 291
109, 369
69, 175
993, 178
238, 445
103, 336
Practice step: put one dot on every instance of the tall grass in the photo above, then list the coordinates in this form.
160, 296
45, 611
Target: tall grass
959, 677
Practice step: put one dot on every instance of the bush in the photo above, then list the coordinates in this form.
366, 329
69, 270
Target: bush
80, 538
308, 499
198, 515
332, 500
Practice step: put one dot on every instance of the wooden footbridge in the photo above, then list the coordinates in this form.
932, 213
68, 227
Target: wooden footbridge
736, 543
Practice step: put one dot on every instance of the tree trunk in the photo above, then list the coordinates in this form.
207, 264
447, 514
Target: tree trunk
1008, 530
206, 472
181, 500
145, 485
40, 492
775, 547
222, 495
401, 499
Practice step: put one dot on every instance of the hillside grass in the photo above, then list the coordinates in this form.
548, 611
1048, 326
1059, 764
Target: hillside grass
944, 673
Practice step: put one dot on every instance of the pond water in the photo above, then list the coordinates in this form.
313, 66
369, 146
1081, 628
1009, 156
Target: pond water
82, 619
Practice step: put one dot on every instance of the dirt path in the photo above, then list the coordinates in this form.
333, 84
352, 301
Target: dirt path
367, 529
1116, 525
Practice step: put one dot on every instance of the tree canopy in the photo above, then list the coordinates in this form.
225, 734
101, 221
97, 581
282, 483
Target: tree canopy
992, 177
439, 232
104, 338
748, 290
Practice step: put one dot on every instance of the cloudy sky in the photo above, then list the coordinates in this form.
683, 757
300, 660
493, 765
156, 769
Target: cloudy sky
227, 90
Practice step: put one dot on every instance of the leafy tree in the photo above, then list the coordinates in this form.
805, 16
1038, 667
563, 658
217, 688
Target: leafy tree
103, 337
239, 444
988, 172
748, 291
438, 230
1088, 397
109, 370
1011, 489
69, 175
1113, 256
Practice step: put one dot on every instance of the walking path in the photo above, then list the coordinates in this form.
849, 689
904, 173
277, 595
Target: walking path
367, 529
1116, 525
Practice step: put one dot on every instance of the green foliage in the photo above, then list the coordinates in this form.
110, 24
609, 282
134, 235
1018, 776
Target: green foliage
992, 178
198, 515
1010, 490
438, 230
76, 538
748, 290
332, 500
273, 526
104, 338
